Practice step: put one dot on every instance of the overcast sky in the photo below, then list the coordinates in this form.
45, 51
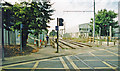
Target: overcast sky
73, 19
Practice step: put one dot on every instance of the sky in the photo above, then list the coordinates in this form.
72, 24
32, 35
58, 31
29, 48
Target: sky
73, 19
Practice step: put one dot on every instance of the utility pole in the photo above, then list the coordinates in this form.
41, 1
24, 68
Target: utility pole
94, 24
57, 34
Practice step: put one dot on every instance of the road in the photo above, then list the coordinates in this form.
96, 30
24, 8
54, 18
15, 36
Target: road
97, 60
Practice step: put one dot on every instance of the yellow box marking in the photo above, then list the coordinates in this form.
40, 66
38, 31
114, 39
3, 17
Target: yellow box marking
72, 63
109, 65
105, 63
25, 63
36, 64
33, 68
102, 67
63, 62
111, 52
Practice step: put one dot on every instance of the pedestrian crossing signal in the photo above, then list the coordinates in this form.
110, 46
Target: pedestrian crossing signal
61, 21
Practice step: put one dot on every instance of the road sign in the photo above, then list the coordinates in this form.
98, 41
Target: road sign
56, 28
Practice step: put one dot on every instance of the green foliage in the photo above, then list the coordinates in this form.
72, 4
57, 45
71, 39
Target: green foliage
53, 33
34, 16
102, 18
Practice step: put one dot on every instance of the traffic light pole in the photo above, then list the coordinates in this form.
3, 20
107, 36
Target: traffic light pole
57, 35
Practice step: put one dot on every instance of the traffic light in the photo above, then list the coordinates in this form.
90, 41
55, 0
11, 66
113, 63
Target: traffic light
61, 21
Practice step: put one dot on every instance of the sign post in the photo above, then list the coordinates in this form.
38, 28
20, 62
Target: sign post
59, 23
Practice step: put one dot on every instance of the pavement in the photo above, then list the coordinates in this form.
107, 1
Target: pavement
80, 59
44, 53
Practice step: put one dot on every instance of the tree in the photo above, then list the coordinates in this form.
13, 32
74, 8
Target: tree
33, 16
53, 33
104, 19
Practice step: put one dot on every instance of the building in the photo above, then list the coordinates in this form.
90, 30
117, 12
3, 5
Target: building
117, 30
84, 30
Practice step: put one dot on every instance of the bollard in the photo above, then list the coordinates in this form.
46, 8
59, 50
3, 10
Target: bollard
34, 42
40, 43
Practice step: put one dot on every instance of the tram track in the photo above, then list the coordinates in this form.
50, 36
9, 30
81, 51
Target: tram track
70, 43
77, 43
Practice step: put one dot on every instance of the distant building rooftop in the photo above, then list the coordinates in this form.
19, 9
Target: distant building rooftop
84, 28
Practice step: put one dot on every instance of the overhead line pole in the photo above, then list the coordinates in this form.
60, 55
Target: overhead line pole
57, 35
94, 24
78, 11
